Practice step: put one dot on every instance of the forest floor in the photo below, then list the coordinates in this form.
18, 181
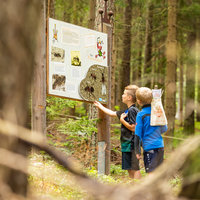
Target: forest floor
48, 180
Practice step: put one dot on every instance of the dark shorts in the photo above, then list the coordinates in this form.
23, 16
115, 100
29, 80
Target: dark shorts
129, 161
153, 159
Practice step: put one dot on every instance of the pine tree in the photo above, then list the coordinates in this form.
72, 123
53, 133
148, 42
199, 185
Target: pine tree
171, 55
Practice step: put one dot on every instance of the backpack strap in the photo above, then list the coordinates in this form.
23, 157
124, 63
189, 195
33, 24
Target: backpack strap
145, 115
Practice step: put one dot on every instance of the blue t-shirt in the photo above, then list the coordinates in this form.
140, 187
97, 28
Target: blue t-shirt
149, 135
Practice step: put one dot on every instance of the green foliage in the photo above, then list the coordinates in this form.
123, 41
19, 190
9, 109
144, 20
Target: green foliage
197, 126
45, 156
107, 178
57, 106
178, 133
117, 170
176, 183
117, 131
120, 3
191, 10
192, 166
82, 127
116, 150
117, 108
76, 12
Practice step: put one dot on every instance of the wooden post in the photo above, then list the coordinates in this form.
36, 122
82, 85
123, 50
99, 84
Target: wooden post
39, 80
104, 124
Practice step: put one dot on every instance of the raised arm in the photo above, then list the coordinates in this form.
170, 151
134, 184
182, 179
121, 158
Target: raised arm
105, 110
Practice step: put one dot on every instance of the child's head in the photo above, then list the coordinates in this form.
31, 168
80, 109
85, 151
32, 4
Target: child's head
144, 96
129, 94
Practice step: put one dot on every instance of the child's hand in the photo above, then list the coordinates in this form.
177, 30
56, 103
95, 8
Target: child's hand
123, 115
138, 156
97, 104
133, 127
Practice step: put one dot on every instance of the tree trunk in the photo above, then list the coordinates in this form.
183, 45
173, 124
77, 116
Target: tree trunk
181, 96
91, 23
153, 70
125, 67
171, 54
39, 78
139, 67
18, 45
75, 11
114, 60
67, 17
50, 8
198, 68
148, 45
138, 43
190, 88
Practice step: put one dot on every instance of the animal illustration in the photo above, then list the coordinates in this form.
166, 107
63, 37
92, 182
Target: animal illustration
99, 48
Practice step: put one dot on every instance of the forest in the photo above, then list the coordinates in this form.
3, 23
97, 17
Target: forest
50, 150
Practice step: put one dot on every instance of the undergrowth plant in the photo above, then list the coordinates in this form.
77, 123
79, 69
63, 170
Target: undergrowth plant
56, 106
81, 139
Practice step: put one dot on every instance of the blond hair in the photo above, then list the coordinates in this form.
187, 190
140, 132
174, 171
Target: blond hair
144, 95
131, 90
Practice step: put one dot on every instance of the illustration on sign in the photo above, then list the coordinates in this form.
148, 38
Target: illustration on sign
101, 53
55, 34
94, 86
57, 54
58, 82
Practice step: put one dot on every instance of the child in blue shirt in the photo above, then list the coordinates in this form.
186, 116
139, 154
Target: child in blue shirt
150, 136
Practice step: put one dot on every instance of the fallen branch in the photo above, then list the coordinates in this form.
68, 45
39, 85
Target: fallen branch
13, 160
154, 184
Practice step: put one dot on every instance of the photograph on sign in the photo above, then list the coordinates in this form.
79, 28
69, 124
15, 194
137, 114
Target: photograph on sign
58, 82
57, 54
75, 58
78, 66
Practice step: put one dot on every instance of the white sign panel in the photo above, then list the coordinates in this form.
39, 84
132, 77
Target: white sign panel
77, 62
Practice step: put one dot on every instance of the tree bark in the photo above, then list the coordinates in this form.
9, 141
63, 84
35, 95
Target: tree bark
190, 88
138, 43
91, 23
19, 21
67, 17
148, 45
75, 11
50, 8
39, 78
114, 58
125, 67
171, 54
198, 67
181, 95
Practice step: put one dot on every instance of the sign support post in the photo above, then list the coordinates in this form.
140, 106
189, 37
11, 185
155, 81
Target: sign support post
39, 80
104, 124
